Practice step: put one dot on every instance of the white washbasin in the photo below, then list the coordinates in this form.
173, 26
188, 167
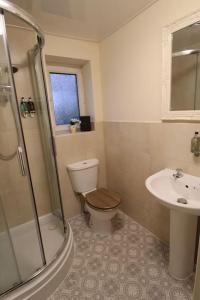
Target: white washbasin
168, 190
183, 217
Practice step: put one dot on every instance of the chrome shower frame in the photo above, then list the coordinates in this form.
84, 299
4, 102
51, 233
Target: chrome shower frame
23, 15
185, 52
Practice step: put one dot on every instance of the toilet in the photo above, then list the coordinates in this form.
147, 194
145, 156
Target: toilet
101, 203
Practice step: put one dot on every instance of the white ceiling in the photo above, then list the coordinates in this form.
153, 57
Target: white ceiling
83, 19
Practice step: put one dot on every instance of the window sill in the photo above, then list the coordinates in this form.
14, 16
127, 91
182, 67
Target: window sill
67, 132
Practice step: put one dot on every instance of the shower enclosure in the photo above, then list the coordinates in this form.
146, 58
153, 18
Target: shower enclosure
32, 226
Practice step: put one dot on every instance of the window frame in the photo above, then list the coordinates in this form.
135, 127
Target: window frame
80, 93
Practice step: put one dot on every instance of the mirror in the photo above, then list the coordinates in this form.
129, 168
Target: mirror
185, 74
181, 76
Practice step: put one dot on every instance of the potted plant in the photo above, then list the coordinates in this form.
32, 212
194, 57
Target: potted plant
74, 124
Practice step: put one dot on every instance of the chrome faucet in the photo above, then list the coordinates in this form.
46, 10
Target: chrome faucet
178, 174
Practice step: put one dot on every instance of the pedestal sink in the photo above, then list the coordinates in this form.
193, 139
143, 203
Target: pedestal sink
182, 197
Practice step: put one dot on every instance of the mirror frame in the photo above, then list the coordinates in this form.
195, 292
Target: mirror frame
167, 114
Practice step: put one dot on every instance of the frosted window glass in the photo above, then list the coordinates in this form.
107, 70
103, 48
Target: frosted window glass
65, 97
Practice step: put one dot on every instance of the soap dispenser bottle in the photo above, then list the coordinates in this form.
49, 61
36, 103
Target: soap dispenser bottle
31, 107
24, 107
195, 144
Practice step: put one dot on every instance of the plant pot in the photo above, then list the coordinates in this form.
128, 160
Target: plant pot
73, 128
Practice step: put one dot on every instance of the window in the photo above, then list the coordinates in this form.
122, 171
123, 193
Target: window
70, 91
64, 89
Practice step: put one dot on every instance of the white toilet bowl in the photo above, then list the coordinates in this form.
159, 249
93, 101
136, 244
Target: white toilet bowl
101, 220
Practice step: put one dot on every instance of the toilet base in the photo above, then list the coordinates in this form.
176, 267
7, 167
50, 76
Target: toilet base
99, 226
101, 221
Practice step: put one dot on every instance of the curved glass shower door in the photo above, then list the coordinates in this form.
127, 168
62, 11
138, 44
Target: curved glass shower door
31, 212
17, 244
7, 256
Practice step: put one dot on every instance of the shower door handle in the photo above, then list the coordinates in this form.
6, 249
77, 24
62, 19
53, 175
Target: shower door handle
21, 161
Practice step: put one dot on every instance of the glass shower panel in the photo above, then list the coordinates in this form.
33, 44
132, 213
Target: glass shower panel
45, 129
57, 217
15, 184
29, 83
10, 275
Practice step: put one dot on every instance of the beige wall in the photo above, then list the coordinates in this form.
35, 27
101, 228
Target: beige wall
131, 61
137, 142
83, 145
136, 150
81, 50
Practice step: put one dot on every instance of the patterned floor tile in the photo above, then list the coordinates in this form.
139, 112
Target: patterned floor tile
129, 264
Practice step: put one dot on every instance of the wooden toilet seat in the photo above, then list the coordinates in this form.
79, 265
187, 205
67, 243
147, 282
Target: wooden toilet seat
103, 199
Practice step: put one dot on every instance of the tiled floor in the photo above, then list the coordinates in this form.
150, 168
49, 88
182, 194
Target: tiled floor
130, 264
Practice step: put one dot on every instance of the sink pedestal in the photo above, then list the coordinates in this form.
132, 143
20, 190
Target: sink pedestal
183, 229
